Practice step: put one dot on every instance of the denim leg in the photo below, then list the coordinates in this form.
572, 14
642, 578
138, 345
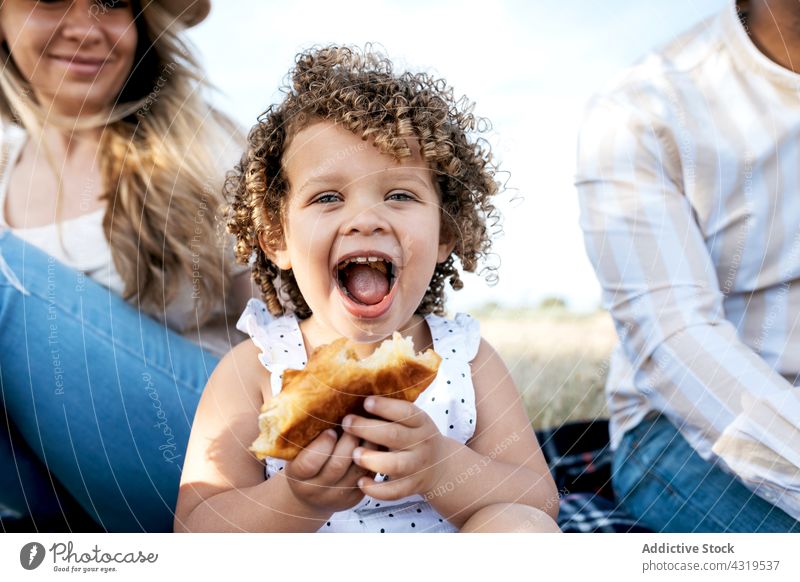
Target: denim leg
24, 480
31, 499
659, 479
103, 395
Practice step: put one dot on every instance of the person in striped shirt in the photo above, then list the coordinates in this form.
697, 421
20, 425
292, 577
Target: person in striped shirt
689, 184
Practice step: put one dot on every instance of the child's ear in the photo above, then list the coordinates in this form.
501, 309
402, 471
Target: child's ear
446, 246
278, 256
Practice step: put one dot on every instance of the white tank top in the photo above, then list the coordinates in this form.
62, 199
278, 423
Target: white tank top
449, 401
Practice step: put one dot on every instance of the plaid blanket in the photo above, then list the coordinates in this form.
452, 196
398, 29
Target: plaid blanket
579, 458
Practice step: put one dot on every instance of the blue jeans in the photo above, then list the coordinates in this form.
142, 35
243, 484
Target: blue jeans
97, 398
661, 481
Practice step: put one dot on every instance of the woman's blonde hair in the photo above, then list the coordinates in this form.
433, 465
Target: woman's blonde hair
158, 168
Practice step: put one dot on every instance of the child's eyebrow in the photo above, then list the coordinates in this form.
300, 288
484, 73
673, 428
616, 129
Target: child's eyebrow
324, 179
397, 174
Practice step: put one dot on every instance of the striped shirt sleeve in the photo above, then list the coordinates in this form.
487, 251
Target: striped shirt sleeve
660, 285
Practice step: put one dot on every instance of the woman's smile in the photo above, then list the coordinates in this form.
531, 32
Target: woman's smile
81, 65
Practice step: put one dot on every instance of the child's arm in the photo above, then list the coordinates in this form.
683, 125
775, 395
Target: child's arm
223, 487
501, 463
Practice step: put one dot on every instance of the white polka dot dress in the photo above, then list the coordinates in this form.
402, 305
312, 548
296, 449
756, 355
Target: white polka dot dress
449, 401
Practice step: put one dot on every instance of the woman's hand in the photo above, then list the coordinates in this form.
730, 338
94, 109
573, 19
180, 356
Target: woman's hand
323, 475
417, 457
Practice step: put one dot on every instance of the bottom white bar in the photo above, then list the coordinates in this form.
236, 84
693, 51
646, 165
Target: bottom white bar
302, 557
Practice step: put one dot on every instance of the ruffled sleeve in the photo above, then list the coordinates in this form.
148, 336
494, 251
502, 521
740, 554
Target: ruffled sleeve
450, 400
457, 338
278, 338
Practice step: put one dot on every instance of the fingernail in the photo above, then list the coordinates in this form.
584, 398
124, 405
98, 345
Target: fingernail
331, 433
361, 482
357, 455
346, 422
369, 403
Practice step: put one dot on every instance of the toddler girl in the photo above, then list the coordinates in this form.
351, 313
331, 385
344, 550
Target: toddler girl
354, 200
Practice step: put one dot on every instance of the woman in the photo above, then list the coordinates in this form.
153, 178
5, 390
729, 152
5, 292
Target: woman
109, 179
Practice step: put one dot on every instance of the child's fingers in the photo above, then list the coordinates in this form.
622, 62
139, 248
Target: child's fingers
392, 435
311, 459
395, 410
396, 463
340, 461
368, 445
353, 474
387, 490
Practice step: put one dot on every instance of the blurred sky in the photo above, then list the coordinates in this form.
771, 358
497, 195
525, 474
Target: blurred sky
530, 66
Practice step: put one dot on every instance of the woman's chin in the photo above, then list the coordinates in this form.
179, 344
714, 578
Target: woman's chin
76, 104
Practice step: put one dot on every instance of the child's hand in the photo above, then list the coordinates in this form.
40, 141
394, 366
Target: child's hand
416, 460
323, 475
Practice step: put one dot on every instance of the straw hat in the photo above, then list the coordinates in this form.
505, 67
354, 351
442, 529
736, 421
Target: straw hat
189, 12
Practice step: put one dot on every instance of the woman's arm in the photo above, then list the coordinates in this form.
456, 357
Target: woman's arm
223, 486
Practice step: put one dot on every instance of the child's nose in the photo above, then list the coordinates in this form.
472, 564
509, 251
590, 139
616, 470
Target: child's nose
366, 221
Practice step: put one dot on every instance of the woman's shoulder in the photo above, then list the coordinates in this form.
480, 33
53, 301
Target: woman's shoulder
10, 128
12, 137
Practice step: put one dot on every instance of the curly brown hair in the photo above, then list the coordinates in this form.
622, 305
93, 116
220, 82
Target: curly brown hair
360, 91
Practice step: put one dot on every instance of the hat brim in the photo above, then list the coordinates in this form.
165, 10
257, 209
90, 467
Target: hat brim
189, 12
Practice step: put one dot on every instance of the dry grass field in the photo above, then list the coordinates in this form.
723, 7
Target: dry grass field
558, 359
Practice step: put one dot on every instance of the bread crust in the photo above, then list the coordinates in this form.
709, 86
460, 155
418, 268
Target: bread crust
334, 384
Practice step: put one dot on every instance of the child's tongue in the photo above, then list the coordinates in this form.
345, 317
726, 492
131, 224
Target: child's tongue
366, 284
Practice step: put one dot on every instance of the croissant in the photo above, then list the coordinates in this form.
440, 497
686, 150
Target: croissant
334, 384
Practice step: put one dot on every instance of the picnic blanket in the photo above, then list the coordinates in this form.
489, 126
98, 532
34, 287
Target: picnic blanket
579, 458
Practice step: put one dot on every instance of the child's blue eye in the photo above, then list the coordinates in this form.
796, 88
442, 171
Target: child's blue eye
327, 198
399, 195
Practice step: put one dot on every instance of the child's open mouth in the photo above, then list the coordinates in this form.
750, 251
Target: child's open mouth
366, 282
